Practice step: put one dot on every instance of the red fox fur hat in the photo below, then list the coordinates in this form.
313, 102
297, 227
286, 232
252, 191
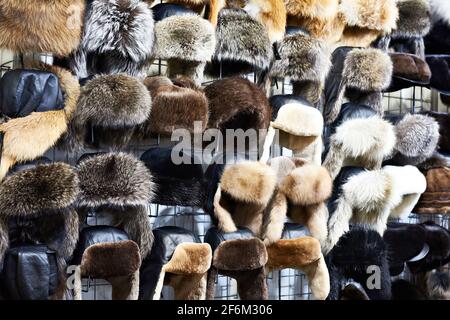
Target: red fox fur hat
41, 26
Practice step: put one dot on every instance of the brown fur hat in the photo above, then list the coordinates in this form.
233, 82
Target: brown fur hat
435, 199
408, 70
41, 26
29, 137
237, 103
175, 105
112, 106
306, 62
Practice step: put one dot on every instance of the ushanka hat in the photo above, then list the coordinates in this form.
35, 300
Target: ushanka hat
369, 198
36, 105
178, 259
362, 142
108, 111
120, 186
413, 24
41, 26
408, 70
299, 128
297, 251
176, 104
118, 37
306, 62
241, 256
356, 253
417, 137
440, 72
358, 74
177, 175
37, 209
187, 42
243, 45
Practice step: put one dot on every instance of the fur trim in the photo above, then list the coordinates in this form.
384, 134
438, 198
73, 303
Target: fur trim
30, 137
440, 9
116, 179
228, 255
380, 15
417, 137
240, 38
365, 142
118, 37
174, 106
237, 103
302, 58
323, 9
40, 26
114, 104
45, 188
414, 19
272, 14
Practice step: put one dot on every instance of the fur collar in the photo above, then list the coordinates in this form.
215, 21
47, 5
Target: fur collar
116, 179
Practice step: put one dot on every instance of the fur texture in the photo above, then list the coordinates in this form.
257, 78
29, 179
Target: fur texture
237, 103
30, 137
438, 285
414, 19
41, 26
118, 37
435, 200
113, 105
366, 71
440, 9
408, 69
272, 14
187, 42
362, 142
443, 118
312, 8
175, 106
417, 138
240, 38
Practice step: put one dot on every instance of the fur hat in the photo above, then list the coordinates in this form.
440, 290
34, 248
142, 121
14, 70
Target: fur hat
356, 253
245, 190
443, 118
124, 186
177, 259
187, 42
243, 45
409, 70
369, 198
436, 198
438, 240
417, 138
301, 193
236, 103
111, 106
303, 254
413, 24
300, 129
242, 257
361, 142
440, 72
176, 184
41, 27
438, 39
306, 61
118, 38
438, 285
41, 121
175, 105
37, 208
366, 20
358, 74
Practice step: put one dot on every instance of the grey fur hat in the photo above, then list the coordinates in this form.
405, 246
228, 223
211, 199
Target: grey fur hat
118, 37
306, 61
243, 44
111, 106
187, 42
358, 74
417, 138
414, 23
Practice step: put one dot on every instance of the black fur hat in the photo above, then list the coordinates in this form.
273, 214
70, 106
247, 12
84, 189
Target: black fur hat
438, 39
176, 184
351, 258
440, 71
